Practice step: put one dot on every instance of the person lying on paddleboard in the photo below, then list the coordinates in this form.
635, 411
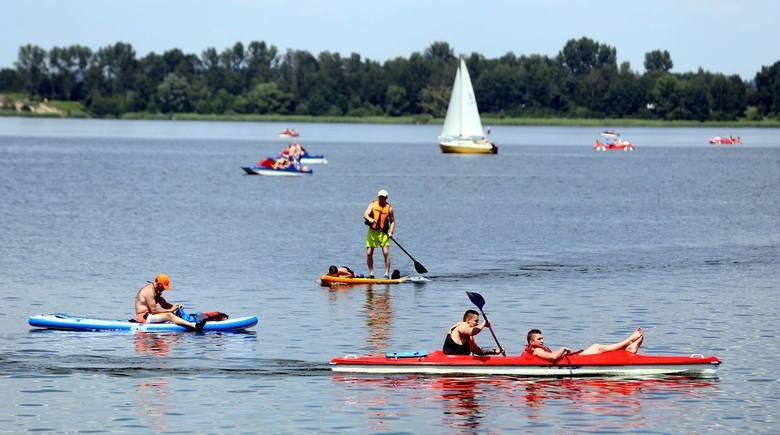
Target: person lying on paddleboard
343, 271
536, 346
349, 273
460, 338
149, 296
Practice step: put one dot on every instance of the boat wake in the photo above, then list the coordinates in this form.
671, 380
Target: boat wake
148, 367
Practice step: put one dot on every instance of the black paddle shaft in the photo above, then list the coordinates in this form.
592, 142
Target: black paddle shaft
479, 301
417, 266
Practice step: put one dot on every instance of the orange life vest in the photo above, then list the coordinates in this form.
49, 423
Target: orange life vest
529, 349
381, 216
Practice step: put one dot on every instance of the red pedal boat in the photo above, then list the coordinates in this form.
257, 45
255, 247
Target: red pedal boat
614, 363
610, 140
731, 140
289, 132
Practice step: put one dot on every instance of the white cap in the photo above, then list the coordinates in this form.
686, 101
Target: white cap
382, 192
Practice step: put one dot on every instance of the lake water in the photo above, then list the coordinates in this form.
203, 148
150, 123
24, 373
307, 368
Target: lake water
680, 237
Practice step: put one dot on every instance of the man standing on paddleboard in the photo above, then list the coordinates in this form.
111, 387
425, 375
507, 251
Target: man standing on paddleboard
149, 296
381, 224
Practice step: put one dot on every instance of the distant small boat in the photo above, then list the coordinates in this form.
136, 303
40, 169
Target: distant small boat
462, 132
289, 132
312, 159
265, 167
731, 140
611, 140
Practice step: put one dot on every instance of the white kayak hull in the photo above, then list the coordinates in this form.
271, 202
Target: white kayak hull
692, 370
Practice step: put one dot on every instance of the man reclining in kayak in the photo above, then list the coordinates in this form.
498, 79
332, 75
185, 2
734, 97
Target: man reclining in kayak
150, 296
460, 339
536, 346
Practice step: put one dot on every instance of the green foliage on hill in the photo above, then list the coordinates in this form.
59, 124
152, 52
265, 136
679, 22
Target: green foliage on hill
583, 81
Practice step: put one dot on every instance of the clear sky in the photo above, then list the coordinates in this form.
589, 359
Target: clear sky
726, 36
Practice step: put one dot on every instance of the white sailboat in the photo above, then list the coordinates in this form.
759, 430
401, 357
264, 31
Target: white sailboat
462, 131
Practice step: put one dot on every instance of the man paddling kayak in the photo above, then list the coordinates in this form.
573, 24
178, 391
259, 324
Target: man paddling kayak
536, 346
149, 296
460, 338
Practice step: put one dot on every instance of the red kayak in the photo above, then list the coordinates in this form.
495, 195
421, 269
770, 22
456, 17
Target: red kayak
615, 363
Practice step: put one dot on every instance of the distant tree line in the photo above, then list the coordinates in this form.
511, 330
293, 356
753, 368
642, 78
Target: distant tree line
583, 80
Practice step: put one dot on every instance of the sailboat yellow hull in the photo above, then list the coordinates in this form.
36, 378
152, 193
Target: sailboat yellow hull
468, 147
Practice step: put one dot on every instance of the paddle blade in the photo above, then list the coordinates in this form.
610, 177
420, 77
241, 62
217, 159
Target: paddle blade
419, 267
476, 299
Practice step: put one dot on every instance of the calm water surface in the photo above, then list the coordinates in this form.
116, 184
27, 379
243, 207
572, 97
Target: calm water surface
680, 237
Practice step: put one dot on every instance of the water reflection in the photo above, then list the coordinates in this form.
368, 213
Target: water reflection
154, 344
152, 398
460, 402
379, 318
378, 309
466, 402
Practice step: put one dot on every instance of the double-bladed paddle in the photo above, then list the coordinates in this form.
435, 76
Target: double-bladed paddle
479, 301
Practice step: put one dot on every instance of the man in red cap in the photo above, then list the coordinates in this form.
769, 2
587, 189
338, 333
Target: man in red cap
150, 296
381, 224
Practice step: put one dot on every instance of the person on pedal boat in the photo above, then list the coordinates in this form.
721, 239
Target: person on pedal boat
460, 338
536, 346
148, 299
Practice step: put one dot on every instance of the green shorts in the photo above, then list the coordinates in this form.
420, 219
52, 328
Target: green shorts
376, 239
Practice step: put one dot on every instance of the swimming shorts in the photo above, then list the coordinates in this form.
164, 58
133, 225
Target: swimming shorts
141, 316
376, 239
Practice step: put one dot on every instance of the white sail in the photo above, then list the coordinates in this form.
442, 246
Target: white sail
462, 120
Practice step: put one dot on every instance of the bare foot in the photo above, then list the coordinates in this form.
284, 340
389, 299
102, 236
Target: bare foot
638, 333
634, 346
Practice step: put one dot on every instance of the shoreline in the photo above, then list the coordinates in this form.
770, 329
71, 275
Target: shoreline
419, 120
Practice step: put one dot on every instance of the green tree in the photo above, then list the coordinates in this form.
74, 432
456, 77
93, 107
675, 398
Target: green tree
543, 80
626, 97
261, 62
500, 88
582, 55
269, 98
728, 97
666, 97
31, 68
117, 63
234, 62
396, 100
298, 70
767, 96
441, 61
434, 100
658, 61
104, 106
694, 99
151, 71
9, 80
174, 95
